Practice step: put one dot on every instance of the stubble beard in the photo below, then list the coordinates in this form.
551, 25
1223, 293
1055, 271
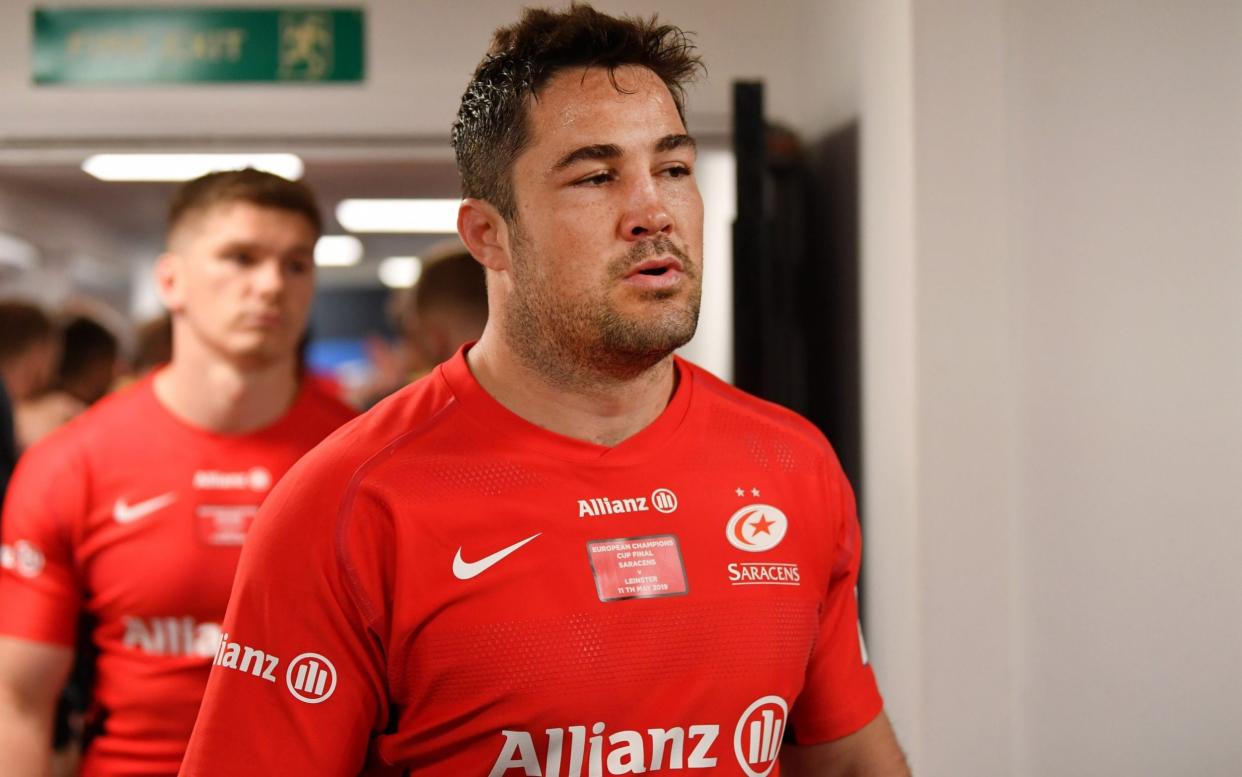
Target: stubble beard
588, 341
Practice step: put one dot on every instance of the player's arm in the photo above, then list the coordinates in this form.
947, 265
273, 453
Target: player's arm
32, 675
316, 695
40, 598
838, 721
872, 751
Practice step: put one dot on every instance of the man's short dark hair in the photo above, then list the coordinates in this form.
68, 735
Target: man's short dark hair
493, 127
86, 343
153, 345
253, 186
22, 325
454, 281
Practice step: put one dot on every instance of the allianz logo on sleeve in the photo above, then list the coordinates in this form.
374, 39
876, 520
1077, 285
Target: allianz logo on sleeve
23, 557
309, 677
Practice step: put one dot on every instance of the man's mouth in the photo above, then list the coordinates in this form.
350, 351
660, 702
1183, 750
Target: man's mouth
264, 320
656, 267
662, 272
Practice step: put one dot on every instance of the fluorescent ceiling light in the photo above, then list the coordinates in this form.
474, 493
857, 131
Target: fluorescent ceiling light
183, 167
338, 251
17, 252
400, 272
405, 216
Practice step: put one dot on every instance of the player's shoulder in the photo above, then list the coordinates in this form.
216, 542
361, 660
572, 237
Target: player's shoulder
320, 405
331, 493
88, 437
399, 419
722, 397
118, 413
732, 409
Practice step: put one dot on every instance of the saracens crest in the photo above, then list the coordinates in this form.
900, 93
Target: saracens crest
756, 528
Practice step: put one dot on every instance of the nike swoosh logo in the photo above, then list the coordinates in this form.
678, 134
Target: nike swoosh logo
464, 570
124, 513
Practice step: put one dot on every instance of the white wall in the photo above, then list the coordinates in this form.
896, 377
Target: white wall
1126, 138
888, 496
1053, 335
712, 346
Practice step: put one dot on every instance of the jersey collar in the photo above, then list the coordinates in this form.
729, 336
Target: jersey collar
650, 442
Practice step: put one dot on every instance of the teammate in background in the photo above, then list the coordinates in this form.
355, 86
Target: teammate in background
446, 309
87, 369
29, 345
152, 345
88, 362
133, 514
566, 551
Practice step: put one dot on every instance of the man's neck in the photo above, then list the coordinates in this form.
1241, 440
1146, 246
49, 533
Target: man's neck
601, 410
222, 397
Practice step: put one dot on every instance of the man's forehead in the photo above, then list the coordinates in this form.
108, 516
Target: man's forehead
592, 105
588, 86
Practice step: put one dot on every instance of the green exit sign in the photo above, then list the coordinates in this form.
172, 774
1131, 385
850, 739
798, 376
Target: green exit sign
113, 46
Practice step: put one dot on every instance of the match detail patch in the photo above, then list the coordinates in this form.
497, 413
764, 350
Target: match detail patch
224, 524
637, 567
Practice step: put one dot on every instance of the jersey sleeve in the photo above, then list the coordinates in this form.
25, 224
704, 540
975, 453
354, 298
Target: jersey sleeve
40, 590
298, 684
840, 695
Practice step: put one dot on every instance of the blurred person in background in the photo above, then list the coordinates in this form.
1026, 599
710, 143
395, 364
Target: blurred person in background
87, 369
29, 344
443, 311
446, 309
88, 366
88, 363
153, 345
134, 513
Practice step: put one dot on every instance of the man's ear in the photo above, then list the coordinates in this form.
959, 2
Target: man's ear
485, 233
168, 281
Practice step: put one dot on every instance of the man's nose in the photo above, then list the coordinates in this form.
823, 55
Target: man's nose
646, 214
269, 277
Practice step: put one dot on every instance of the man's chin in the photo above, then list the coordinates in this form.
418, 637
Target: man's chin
260, 355
651, 339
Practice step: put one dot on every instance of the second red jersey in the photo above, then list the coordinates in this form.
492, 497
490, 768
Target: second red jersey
135, 519
445, 589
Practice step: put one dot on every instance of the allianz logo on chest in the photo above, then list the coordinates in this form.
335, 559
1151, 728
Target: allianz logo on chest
175, 635
253, 479
579, 751
661, 500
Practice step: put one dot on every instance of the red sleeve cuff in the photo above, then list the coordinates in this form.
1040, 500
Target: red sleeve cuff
844, 719
34, 616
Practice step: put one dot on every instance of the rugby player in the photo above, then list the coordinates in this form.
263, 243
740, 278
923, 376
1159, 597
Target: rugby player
133, 514
566, 552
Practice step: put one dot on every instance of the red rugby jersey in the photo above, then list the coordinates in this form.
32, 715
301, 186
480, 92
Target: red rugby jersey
135, 518
443, 588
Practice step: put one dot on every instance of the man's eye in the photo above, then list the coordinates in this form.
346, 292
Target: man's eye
680, 171
240, 257
599, 179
